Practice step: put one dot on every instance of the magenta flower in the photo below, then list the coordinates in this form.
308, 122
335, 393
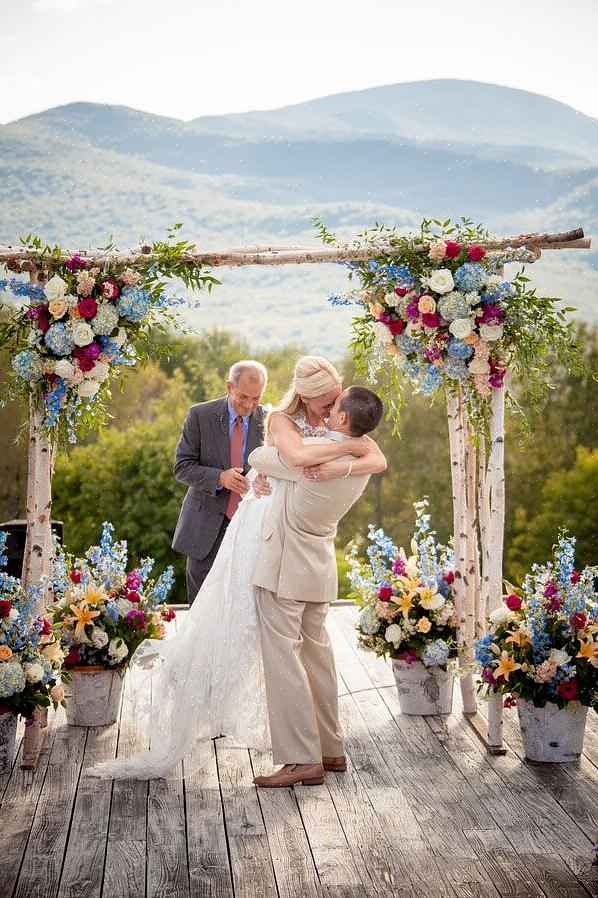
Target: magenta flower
412, 310
76, 262
133, 580
135, 619
398, 566
409, 656
488, 677
551, 589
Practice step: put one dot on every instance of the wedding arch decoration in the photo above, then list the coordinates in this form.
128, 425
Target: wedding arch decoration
86, 316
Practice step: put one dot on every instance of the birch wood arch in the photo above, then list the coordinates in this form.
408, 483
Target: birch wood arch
477, 470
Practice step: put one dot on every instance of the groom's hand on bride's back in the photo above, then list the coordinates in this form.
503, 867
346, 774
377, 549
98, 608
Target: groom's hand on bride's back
261, 486
234, 480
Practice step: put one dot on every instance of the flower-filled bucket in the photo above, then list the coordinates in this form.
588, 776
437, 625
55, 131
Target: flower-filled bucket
8, 733
94, 695
423, 690
551, 734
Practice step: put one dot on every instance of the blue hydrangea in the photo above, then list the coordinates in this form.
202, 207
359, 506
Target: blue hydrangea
470, 276
27, 364
412, 369
407, 344
12, 679
483, 653
456, 369
459, 349
369, 622
453, 305
432, 380
58, 339
436, 653
133, 304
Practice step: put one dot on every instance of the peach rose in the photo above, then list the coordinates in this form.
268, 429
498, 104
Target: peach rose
424, 625
5, 653
57, 693
437, 251
426, 305
74, 312
58, 307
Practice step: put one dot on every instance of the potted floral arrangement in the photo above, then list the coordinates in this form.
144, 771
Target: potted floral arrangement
408, 613
104, 612
30, 659
542, 654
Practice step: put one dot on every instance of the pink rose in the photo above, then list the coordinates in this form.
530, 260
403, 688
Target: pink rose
476, 253
401, 291
575, 576
75, 576
396, 327
133, 596
109, 288
431, 319
579, 620
449, 577
5, 607
73, 657
168, 614
385, 593
513, 602
568, 690
86, 364
452, 249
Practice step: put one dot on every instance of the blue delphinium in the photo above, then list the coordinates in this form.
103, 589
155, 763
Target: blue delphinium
23, 289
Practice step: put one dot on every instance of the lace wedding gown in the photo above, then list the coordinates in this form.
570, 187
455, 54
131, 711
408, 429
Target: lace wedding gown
208, 680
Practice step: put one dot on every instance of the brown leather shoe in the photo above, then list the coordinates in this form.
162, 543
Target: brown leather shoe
338, 765
307, 775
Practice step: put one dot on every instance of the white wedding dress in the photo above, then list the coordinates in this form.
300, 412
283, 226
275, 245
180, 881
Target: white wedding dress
208, 680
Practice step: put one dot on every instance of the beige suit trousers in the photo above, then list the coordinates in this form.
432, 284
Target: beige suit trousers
301, 685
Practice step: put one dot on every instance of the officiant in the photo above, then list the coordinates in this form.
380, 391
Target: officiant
211, 460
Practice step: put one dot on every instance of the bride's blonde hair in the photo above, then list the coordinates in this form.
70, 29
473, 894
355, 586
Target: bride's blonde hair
313, 376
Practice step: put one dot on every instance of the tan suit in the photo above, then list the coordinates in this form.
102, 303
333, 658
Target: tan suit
296, 577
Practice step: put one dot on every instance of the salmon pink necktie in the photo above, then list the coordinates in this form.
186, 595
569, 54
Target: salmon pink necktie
236, 461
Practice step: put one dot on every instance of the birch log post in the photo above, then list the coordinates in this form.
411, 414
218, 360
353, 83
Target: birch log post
457, 444
496, 530
484, 530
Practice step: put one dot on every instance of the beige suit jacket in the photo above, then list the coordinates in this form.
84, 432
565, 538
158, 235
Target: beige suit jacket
296, 557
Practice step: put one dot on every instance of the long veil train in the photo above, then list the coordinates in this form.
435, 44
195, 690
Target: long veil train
208, 680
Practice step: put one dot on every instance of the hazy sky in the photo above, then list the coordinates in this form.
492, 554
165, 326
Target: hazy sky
186, 58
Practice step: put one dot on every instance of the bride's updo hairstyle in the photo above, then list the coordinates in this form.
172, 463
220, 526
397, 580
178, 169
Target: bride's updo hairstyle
313, 376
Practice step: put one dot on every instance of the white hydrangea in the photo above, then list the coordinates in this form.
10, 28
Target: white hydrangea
382, 333
479, 366
99, 638
34, 672
117, 649
123, 606
559, 657
88, 388
106, 319
499, 616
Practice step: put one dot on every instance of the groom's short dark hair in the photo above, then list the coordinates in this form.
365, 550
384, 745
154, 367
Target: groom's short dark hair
363, 408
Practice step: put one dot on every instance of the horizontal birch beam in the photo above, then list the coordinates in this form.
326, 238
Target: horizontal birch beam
24, 258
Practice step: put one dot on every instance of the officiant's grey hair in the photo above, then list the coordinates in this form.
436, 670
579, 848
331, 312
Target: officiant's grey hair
254, 370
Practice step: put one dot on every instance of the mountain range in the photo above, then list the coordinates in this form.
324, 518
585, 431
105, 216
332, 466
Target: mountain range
512, 159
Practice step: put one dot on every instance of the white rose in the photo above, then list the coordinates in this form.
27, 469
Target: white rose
99, 372
441, 281
479, 366
13, 614
382, 332
461, 327
121, 337
490, 332
391, 299
55, 288
99, 638
117, 649
88, 388
82, 334
34, 672
393, 634
499, 615
64, 369
413, 328
559, 657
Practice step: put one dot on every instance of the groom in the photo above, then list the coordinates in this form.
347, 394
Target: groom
295, 576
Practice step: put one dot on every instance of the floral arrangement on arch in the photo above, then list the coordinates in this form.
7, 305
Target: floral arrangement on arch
104, 611
30, 652
407, 602
87, 323
440, 308
543, 640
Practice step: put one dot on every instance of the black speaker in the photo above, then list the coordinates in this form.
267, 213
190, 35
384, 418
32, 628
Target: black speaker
16, 534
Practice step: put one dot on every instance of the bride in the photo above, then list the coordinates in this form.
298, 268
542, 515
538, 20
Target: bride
208, 680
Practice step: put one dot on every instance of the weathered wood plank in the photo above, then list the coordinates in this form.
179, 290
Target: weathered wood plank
5, 777
251, 863
209, 868
83, 870
42, 864
125, 867
18, 811
348, 665
379, 670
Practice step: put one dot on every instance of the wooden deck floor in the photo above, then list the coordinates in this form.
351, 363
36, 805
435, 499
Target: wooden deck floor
422, 811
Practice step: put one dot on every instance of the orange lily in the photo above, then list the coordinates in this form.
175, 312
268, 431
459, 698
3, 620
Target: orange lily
405, 603
588, 649
84, 616
505, 665
519, 637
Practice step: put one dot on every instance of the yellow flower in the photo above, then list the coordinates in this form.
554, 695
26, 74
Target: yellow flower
94, 594
84, 616
519, 637
410, 585
53, 653
429, 599
405, 603
505, 665
588, 649
424, 625
5, 653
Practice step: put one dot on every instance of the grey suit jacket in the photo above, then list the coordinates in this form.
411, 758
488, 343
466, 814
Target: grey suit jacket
202, 453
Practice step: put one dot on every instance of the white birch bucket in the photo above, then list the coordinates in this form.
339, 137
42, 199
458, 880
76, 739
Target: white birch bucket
8, 733
552, 735
423, 690
93, 696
